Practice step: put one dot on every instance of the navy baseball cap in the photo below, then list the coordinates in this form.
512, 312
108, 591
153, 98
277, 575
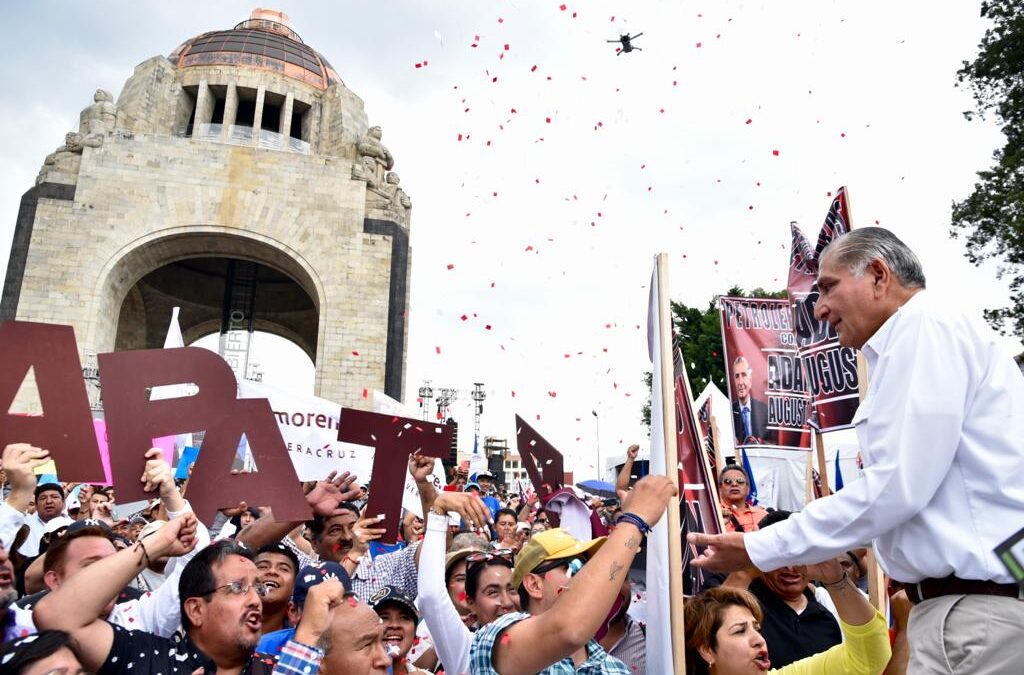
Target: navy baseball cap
311, 575
391, 595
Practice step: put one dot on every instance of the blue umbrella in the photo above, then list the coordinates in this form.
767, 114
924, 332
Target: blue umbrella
598, 487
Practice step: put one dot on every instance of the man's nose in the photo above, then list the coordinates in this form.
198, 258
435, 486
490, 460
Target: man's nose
380, 656
821, 310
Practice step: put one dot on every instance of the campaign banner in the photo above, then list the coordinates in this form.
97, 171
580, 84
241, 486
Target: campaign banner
829, 370
767, 391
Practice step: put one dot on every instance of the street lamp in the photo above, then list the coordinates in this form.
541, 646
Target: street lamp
597, 424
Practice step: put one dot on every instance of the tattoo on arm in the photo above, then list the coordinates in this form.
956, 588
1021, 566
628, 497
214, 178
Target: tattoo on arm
631, 543
614, 570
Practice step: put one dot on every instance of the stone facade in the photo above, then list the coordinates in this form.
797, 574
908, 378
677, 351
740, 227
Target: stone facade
155, 181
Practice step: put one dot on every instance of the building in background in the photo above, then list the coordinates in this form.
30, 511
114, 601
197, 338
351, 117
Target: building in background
239, 179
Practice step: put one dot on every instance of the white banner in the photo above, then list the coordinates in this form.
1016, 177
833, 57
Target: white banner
309, 426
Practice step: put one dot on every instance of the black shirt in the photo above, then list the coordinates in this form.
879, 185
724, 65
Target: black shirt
793, 636
137, 652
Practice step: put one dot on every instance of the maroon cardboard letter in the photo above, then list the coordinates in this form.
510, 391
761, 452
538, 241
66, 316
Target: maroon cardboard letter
395, 439
133, 421
65, 427
536, 451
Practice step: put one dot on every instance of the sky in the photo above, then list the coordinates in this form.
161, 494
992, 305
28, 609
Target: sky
546, 171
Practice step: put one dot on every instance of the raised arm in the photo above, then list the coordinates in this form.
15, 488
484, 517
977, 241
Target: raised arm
622, 480
535, 643
19, 463
451, 637
323, 499
76, 606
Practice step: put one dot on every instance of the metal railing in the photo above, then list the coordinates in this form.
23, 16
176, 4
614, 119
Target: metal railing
240, 135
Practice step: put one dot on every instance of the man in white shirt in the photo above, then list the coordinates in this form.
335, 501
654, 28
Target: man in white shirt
941, 432
49, 505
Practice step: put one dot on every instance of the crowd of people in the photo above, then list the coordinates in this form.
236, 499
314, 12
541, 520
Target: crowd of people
496, 581
488, 583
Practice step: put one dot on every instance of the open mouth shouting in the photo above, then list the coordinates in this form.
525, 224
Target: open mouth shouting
253, 620
761, 661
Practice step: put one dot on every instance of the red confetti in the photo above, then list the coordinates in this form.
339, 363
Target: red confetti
533, 70
513, 393
451, 266
463, 317
775, 153
355, 353
698, 45
749, 121
505, 639
366, 394
562, 7
487, 327
500, 20
552, 394
547, 120
506, 47
352, 602
437, 349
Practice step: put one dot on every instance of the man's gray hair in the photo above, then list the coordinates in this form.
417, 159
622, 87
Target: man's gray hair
859, 247
737, 361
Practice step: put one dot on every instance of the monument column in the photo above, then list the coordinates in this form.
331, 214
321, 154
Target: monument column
257, 120
230, 109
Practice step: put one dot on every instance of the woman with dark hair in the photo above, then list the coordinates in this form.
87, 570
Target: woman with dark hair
45, 652
723, 632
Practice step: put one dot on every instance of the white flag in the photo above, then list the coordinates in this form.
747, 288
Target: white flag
659, 623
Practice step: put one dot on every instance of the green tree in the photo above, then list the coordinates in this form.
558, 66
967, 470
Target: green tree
991, 219
700, 339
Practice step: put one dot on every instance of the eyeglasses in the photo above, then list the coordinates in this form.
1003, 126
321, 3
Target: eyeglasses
240, 587
734, 481
500, 555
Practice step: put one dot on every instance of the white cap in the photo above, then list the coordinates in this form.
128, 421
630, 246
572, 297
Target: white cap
55, 524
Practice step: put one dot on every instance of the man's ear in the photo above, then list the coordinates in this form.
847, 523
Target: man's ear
534, 585
52, 580
293, 613
194, 611
881, 275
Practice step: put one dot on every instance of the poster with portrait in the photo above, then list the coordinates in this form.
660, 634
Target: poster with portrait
830, 371
767, 391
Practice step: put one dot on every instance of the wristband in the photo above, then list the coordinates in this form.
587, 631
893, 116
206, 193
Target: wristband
838, 584
634, 519
353, 561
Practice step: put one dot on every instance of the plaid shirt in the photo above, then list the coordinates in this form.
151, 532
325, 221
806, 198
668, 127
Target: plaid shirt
372, 574
481, 653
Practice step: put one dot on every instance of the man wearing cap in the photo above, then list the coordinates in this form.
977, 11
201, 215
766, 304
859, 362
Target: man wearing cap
400, 618
49, 505
307, 578
568, 588
277, 565
485, 479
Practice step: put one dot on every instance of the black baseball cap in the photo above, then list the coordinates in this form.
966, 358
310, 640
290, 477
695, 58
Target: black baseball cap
311, 575
46, 487
392, 595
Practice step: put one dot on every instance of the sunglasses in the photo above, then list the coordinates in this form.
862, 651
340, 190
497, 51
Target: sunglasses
734, 481
502, 556
573, 565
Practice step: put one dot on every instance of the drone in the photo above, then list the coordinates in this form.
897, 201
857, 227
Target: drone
627, 43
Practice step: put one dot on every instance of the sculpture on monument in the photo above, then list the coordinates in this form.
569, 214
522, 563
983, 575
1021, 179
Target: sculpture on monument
99, 118
370, 146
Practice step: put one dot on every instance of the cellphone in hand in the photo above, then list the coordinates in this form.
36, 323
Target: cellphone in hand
609, 502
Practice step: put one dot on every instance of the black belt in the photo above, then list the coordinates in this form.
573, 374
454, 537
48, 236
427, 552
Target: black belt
951, 585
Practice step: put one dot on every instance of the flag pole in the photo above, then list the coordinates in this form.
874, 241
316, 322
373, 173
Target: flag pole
718, 448
666, 380
819, 442
809, 480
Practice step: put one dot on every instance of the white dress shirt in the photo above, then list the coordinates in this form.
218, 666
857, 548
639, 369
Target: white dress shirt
941, 432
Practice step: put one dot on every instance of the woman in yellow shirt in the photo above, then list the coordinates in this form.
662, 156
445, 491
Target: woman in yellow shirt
723, 638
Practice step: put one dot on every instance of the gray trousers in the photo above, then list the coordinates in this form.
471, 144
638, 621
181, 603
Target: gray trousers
967, 634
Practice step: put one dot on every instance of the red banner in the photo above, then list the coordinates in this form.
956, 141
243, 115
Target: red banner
830, 371
766, 384
698, 491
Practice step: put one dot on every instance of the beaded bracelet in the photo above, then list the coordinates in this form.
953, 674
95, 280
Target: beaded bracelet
837, 585
634, 519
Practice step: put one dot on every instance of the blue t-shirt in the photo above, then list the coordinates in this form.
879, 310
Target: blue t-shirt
271, 643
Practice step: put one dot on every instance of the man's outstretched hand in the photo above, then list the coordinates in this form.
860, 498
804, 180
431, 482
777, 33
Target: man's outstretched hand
724, 552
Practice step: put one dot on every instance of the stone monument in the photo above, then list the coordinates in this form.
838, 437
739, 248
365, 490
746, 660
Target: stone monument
237, 178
